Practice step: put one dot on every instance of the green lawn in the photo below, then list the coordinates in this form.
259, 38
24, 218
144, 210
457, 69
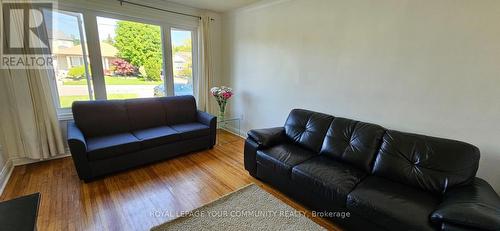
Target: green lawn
115, 81
66, 101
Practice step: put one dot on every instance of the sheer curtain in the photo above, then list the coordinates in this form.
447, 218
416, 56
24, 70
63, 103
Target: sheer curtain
206, 66
28, 121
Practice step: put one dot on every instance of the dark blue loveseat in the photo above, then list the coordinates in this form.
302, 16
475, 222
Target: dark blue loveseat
113, 135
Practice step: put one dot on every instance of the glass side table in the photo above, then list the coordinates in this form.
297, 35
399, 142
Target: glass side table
226, 126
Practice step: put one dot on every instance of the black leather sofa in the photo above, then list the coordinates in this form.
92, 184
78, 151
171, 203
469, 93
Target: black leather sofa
366, 177
113, 135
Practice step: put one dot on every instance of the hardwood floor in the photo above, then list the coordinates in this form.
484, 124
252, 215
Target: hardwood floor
132, 200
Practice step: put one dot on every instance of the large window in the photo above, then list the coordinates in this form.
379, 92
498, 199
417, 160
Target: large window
132, 58
108, 56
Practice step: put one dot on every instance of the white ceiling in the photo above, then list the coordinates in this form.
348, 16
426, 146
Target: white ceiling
215, 5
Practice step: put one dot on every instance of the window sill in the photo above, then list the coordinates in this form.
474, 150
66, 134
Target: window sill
65, 116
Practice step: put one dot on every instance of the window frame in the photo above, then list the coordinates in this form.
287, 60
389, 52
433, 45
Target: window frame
194, 56
95, 57
64, 113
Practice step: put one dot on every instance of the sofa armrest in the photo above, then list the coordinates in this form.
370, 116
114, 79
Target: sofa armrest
250, 156
475, 206
206, 118
258, 139
268, 136
78, 147
76, 139
210, 121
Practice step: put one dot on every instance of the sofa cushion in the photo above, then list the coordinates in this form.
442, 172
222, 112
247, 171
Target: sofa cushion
109, 146
393, 205
307, 128
430, 163
283, 157
145, 113
152, 137
179, 109
353, 142
101, 117
191, 130
328, 178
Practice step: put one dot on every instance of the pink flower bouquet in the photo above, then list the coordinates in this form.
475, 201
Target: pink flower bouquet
222, 94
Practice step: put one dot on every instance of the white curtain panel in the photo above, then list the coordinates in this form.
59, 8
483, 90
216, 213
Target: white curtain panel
29, 123
9, 134
206, 66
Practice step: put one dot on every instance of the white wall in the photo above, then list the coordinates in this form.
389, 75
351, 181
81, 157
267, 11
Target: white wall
428, 66
3, 161
5, 137
5, 164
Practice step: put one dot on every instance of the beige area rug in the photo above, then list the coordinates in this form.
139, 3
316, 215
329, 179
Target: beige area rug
249, 208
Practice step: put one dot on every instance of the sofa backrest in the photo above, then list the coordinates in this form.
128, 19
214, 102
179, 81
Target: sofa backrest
106, 117
353, 142
307, 128
430, 163
145, 113
101, 117
179, 109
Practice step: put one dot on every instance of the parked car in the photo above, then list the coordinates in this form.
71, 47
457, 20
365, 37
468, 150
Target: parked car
159, 90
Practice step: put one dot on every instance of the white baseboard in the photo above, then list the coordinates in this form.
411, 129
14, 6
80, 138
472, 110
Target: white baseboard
5, 175
23, 160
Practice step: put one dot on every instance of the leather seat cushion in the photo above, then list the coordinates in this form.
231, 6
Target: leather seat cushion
191, 130
152, 137
109, 146
283, 157
331, 179
393, 205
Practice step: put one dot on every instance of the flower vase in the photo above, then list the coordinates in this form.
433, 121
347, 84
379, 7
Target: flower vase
221, 114
221, 94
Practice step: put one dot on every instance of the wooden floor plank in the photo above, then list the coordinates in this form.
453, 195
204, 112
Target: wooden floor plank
128, 200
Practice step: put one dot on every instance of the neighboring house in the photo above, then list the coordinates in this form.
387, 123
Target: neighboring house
68, 55
59, 39
66, 58
180, 60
